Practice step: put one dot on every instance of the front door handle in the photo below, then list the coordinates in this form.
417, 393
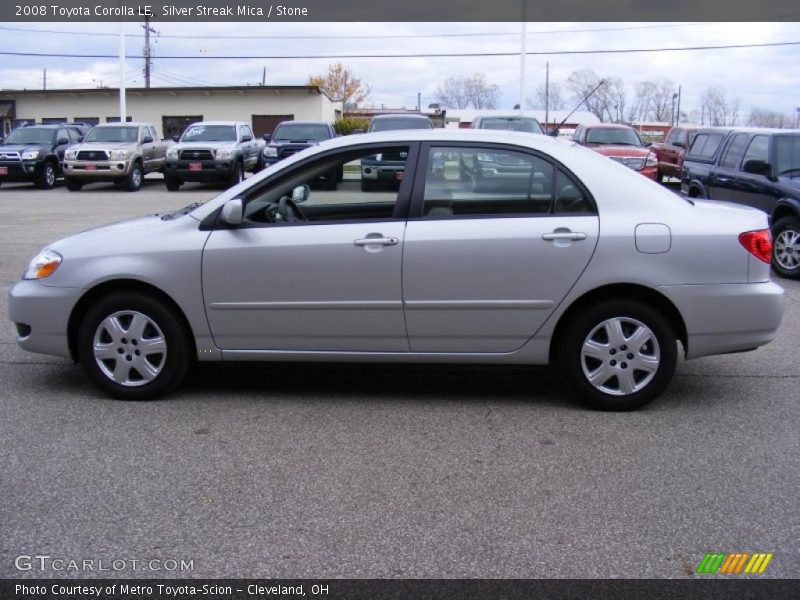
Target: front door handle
564, 235
379, 241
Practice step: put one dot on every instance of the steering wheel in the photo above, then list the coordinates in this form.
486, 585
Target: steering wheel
289, 210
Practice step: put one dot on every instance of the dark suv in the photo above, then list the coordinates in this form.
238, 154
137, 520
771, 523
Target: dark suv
388, 168
754, 167
290, 137
35, 153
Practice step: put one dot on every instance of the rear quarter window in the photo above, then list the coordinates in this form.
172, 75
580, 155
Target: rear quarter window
705, 146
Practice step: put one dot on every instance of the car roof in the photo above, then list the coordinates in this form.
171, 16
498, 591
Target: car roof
229, 123
608, 126
508, 117
763, 130
48, 125
127, 123
305, 122
400, 116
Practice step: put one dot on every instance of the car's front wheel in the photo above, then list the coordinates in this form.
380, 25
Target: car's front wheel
618, 355
73, 185
173, 183
786, 247
135, 178
134, 346
46, 176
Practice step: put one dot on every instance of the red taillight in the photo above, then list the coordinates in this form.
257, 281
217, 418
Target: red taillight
758, 243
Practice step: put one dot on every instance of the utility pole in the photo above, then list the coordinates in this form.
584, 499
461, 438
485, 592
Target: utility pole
678, 118
44, 79
264, 77
419, 101
522, 52
148, 50
344, 92
122, 107
546, 95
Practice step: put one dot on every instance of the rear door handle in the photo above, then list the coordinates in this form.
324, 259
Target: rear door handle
380, 241
564, 235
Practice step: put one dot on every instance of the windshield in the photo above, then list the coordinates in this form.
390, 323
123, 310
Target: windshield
299, 131
30, 135
112, 134
787, 154
400, 123
210, 133
609, 135
528, 125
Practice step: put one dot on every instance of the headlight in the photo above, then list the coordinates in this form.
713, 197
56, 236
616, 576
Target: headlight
223, 152
118, 154
71, 154
652, 160
43, 265
172, 153
271, 152
31, 155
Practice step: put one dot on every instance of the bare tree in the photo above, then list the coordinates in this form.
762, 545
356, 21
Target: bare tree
654, 100
557, 101
462, 92
764, 117
613, 97
581, 83
718, 108
341, 84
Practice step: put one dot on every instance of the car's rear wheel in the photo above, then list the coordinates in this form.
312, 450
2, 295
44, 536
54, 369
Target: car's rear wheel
134, 346
618, 355
73, 185
46, 177
786, 247
173, 183
135, 178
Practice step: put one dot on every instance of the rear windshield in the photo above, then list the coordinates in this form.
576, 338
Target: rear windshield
512, 124
705, 145
787, 155
608, 135
112, 134
400, 123
301, 132
30, 135
210, 133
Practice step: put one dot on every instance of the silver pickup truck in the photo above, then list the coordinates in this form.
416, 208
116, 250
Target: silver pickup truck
120, 152
213, 152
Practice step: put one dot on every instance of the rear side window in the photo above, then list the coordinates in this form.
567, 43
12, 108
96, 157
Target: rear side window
734, 151
758, 149
705, 145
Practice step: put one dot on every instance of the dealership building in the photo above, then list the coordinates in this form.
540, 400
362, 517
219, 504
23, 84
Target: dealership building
170, 109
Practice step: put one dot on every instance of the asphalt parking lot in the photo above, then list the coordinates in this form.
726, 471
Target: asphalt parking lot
295, 470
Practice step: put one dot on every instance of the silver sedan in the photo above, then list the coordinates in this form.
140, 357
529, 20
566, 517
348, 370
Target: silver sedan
473, 247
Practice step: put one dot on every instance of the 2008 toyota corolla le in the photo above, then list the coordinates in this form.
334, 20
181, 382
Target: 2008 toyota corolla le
485, 247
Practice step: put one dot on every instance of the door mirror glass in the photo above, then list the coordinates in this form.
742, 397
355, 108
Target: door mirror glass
176, 138
148, 139
247, 138
757, 167
232, 212
267, 137
301, 193
62, 141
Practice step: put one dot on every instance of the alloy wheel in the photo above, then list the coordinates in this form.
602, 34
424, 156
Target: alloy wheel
787, 249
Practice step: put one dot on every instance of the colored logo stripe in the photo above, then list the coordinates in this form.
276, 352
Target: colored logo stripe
711, 562
758, 563
734, 562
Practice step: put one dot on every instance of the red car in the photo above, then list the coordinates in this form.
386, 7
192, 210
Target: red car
620, 143
671, 151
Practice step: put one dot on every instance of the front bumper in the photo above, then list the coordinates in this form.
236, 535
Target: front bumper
43, 312
211, 170
103, 170
19, 171
724, 318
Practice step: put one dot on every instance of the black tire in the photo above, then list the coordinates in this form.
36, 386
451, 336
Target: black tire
135, 178
332, 181
237, 174
173, 183
367, 185
659, 176
46, 176
174, 363
73, 185
259, 163
786, 247
617, 363
340, 174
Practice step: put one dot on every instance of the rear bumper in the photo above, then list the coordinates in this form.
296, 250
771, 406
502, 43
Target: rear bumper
44, 314
726, 318
211, 170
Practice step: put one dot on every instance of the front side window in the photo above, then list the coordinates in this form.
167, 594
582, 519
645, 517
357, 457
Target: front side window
787, 155
734, 151
705, 145
209, 133
357, 185
113, 134
486, 182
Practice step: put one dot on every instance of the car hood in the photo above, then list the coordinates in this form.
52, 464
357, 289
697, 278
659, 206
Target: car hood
104, 145
621, 150
202, 145
279, 143
22, 147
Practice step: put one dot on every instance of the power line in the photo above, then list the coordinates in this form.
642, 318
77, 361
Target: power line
364, 37
415, 55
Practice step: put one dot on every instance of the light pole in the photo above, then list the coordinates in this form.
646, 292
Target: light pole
672, 110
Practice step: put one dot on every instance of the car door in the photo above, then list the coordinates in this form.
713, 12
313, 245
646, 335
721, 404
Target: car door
722, 178
148, 148
496, 239
250, 147
754, 189
328, 282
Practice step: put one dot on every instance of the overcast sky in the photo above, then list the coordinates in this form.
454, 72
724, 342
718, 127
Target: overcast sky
765, 77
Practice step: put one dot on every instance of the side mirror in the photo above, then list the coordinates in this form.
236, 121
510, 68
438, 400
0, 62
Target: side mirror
62, 141
232, 212
679, 144
757, 167
176, 138
80, 139
247, 138
553, 133
148, 139
301, 193
267, 137
358, 131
